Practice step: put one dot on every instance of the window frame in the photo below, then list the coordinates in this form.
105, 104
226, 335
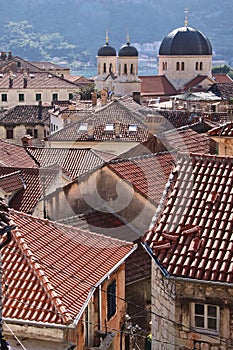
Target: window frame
38, 97
10, 134
206, 317
4, 97
21, 97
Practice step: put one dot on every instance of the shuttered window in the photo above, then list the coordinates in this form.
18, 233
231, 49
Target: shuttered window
111, 292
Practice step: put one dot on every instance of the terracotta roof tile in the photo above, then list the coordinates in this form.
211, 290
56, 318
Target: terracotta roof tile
15, 156
12, 182
222, 78
148, 174
157, 85
116, 115
26, 115
59, 266
28, 196
223, 90
225, 130
76, 161
199, 210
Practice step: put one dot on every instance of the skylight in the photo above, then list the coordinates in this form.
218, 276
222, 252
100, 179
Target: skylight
109, 127
133, 128
82, 127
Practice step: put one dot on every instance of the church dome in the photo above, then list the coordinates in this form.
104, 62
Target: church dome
185, 41
107, 50
128, 51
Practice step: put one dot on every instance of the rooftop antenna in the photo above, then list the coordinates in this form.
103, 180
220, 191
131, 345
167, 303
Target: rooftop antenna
186, 11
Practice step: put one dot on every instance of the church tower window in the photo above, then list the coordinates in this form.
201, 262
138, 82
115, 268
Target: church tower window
131, 69
104, 67
110, 68
182, 65
125, 69
177, 65
201, 65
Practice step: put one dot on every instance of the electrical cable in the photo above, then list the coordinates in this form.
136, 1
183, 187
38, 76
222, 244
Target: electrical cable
23, 347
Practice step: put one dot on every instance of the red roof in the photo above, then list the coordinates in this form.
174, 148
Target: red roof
192, 236
156, 85
225, 130
51, 270
148, 174
28, 196
12, 182
14, 156
222, 78
75, 161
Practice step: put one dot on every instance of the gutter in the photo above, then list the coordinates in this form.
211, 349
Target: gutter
37, 324
182, 279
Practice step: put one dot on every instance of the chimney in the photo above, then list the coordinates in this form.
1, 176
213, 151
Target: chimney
26, 141
3, 55
137, 97
10, 80
94, 98
10, 55
25, 82
40, 110
90, 130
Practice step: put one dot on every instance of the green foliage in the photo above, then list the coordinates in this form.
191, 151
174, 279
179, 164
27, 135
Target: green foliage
85, 92
221, 69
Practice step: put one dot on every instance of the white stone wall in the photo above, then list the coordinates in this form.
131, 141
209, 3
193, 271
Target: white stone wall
180, 77
107, 60
163, 311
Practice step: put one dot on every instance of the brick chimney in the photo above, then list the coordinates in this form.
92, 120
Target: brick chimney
26, 140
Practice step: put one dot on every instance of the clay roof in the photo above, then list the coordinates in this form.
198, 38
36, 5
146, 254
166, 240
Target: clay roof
222, 78
156, 85
105, 122
28, 196
75, 161
26, 115
223, 90
148, 174
191, 235
52, 270
185, 139
195, 83
12, 182
15, 156
36, 80
225, 130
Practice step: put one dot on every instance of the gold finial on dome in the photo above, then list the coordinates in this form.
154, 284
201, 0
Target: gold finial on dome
186, 11
127, 37
106, 37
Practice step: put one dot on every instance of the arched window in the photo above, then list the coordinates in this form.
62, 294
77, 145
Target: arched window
177, 65
201, 65
196, 65
98, 68
110, 68
125, 68
119, 69
104, 67
182, 65
131, 69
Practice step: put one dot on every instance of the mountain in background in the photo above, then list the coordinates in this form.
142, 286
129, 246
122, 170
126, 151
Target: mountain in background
74, 30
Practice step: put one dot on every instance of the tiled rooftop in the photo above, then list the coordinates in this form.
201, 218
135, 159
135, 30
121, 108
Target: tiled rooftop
185, 139
225, 130
14, 156
28, 196
12, 182
224, 90
148, 174
26, 115
36, 80
191, 235
112, 122
222, 78
157, 85
51, 269
76, 161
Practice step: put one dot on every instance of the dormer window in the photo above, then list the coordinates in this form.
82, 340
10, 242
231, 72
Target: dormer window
133, 128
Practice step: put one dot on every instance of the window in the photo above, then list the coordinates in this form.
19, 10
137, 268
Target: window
29, 132
111, 296
201, 65
196, 65
109, 127
35, 134
82, 128
21, 97
205, 317
4, 97
38, 97
54, 97
104, 67
71, 96
131, 69
110, 68
9, 134
125, 68
182, 65
177, 65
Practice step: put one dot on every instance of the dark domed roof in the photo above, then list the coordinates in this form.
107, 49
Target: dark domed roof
127, 50
107, 50
185, 41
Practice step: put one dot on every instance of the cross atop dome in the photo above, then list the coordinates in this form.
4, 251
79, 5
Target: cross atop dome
186, 11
